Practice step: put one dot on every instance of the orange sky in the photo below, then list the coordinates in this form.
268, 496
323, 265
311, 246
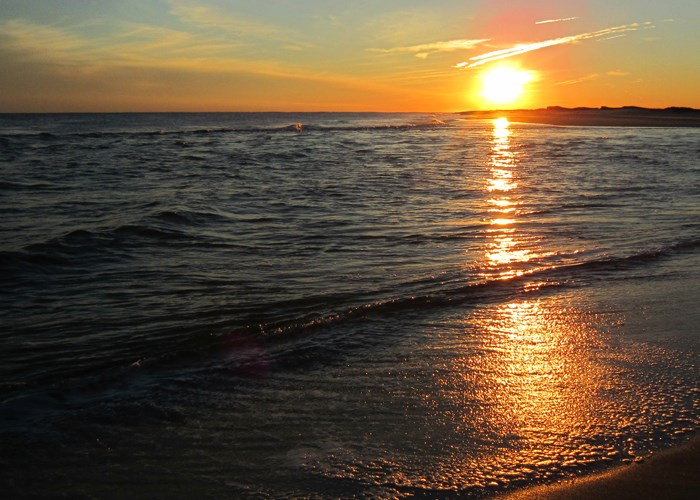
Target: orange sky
394, 55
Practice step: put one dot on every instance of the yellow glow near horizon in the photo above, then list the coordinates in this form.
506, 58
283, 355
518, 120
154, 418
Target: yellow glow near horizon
504, 85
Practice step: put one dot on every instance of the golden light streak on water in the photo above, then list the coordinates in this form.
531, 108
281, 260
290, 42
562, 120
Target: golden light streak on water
539, 375
503, 222
504, 249
501, 185
501, 125
539, 370
503, 203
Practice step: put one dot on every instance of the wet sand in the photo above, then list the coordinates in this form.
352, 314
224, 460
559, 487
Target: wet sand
671, 474
607, 117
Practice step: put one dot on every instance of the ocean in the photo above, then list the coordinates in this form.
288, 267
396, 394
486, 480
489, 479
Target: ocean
337, 305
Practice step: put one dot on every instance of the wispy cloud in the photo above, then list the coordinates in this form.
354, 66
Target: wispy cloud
593, 76
581, 79
146, 43
424, 50
133, 44
44, 42
298, 47
152, 52
548, 21
609, 38
618, 73
529, 47
213, 18
211, 22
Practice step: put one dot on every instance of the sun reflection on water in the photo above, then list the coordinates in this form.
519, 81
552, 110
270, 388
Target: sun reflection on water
539, 372
501, 125
504, 250
534, 385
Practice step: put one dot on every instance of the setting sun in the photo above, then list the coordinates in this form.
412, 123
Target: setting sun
504, 85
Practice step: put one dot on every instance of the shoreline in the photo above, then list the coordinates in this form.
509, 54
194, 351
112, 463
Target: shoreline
670, 474
596, 117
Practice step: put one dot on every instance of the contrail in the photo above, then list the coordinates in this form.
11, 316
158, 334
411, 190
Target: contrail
547, 21
529, 47
424, 50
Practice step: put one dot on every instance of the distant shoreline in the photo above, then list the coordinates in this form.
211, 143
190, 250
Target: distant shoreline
627, 116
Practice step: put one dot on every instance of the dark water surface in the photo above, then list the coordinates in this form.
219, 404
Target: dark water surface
339, 305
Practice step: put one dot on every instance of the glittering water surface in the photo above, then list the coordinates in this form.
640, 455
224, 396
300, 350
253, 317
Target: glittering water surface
340, 305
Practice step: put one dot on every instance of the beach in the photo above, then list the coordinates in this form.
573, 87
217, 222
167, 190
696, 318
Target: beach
670, 474
337, 305
350, 250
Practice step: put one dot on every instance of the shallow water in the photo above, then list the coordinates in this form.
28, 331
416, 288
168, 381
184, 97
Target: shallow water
361, 304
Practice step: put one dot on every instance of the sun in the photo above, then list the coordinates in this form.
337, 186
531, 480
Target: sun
504, 85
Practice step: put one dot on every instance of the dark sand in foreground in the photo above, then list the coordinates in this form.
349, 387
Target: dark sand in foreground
671, 474
629, 116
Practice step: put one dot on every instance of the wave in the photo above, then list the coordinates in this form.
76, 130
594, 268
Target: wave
171, 226
163, 227
289, 329
300, 340
186, 217
296, 127
554, 275
22, 186
286, 326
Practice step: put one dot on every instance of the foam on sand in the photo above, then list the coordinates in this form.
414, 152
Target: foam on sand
672, 474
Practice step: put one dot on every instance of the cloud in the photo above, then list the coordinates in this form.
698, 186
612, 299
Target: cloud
579, 80
424, 50
298, 47
44, 42
133, 44
594, 76
213, 18
162, 57
211, 22
405, 25
548, 21
141, 42
529, 47
609, 38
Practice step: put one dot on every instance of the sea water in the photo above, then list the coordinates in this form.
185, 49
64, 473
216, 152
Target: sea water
339, 305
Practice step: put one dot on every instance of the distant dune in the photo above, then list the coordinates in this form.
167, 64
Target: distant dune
628, 116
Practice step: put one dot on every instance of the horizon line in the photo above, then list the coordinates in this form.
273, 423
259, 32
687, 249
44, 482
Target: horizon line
503, 110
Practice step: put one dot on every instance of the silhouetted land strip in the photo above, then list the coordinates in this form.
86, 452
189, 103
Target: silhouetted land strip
627, 116
671, 474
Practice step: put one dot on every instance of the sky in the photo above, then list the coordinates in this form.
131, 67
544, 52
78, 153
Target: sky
359, 55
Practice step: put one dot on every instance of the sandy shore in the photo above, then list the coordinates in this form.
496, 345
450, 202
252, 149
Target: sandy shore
608, 117
671, 474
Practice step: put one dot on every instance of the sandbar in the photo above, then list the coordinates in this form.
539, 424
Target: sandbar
627, 116
670, 474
